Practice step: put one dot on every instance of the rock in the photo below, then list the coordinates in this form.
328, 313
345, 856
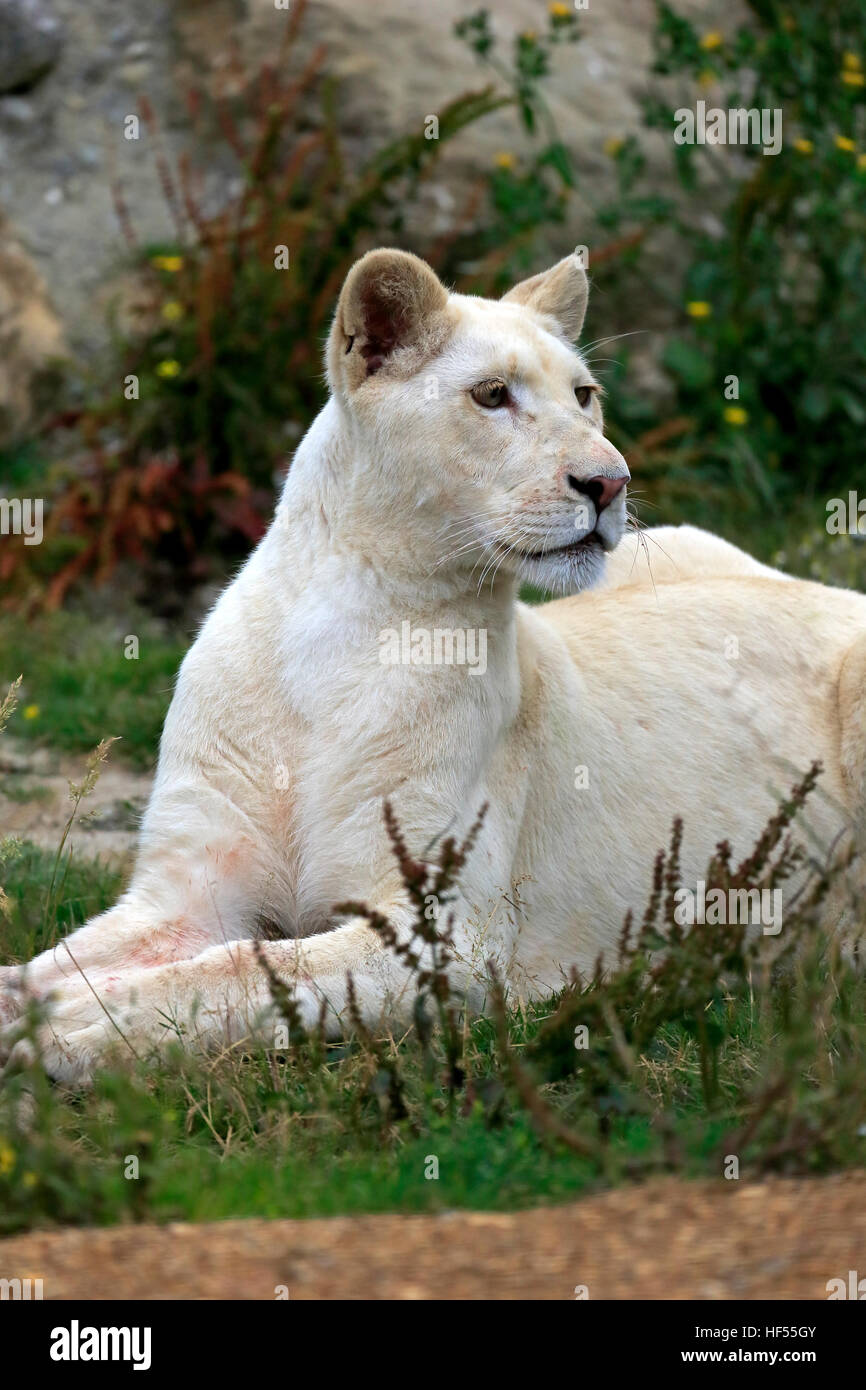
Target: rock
30, 43
90, 156
394, 65
134, 74
31, 340
16, 113
24, 759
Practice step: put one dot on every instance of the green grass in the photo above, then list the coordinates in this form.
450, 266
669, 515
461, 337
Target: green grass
22, 790
246, 1136
719, 1058
82, 889
79, 687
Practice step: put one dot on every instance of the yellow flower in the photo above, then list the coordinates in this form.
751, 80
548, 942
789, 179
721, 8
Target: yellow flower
7, 1159
28, 1179
843, 143
504, 160
529, 35
707, 78
168, 368
31, 711
851, 61
172, 310
699, 309
736, 415
861, 161
804, 146
853, 79
613, 146
559, 11
170, 263
712, 40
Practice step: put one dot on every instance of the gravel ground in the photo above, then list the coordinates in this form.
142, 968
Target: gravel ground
780, 1239
108, 821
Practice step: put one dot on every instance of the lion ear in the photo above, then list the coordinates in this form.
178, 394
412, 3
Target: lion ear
390, 300
560, 293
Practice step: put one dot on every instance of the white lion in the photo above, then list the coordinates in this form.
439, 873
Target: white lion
461, 452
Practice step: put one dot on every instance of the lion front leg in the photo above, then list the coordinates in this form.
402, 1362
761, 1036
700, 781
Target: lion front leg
220, 998
176, 907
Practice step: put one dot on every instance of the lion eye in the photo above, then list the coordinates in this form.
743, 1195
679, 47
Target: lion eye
584, 395
490, 394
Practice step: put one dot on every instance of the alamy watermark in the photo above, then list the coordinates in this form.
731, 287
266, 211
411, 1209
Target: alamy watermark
736, 126
853, 1287
22, 516
846, 516
750, 907
20, 1290
77, 1343
438, 646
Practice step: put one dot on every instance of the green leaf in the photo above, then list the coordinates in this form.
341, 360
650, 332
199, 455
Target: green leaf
852, 407
815, 401
556, 155
685, 361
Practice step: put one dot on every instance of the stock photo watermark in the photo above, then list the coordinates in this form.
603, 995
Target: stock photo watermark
440, 646
737, 126
852, 1288
846, 516
748, 907
77, 1343
23, 1290
22, 516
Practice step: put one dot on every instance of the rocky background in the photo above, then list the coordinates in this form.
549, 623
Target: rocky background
71, 73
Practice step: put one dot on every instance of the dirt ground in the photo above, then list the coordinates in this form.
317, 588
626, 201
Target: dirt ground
40, 805
780, 1239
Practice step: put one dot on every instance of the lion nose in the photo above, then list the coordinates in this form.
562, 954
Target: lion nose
599, 490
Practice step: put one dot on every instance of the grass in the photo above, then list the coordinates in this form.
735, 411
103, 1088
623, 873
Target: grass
19, 789
712, 1052
83, 888
79, 686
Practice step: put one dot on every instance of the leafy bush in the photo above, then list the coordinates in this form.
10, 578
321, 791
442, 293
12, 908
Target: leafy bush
179, 460
772, 291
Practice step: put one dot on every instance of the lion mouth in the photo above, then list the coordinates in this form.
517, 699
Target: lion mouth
591, 541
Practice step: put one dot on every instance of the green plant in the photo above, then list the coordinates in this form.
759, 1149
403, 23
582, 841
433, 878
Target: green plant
177, 461
768, 363
9, 846
701, 1044
524, 193
669, 983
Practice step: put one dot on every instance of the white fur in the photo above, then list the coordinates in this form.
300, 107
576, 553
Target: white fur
408, 501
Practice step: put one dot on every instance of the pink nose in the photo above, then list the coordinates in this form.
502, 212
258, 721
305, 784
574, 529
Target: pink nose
599, 490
